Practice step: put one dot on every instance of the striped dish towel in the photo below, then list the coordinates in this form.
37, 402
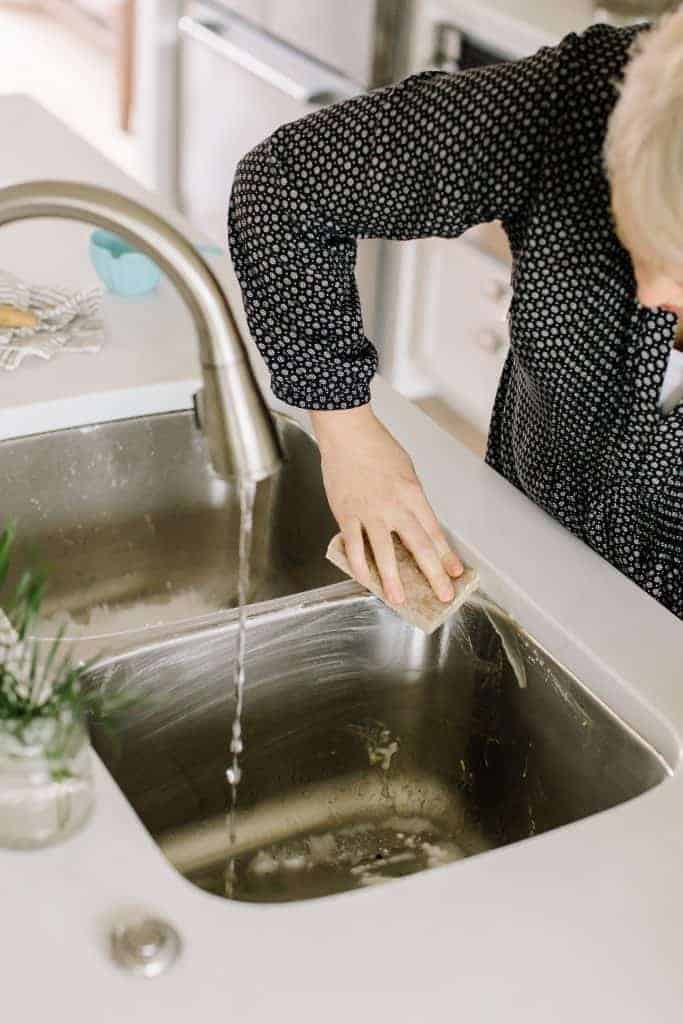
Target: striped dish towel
67, 321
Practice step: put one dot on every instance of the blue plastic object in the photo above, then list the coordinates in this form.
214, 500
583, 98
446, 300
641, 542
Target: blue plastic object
124, 269
210, 250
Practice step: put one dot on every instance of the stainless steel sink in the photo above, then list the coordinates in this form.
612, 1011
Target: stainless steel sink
372, 751
139, 531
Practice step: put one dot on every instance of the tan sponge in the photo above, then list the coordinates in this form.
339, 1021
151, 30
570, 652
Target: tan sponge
422, 607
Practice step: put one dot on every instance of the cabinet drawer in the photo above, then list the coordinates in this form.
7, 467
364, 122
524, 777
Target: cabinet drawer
462, 333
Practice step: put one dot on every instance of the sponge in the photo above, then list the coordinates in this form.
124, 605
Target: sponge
422, 608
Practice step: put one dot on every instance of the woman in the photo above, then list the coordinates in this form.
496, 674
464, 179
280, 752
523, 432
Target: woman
578, 150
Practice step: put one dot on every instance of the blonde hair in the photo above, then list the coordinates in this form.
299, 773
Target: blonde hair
644, 143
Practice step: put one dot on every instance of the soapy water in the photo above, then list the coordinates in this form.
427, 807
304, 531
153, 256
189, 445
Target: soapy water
380, 743
351, 856
381, 747
506, 629
104, 620
234, 772
339, 859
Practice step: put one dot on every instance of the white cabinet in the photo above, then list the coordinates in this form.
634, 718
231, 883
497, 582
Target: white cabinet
238, 84
460, 327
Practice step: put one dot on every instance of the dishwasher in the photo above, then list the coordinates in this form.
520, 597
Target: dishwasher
246, 68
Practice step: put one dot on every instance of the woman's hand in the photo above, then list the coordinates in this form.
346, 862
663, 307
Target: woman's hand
371, 486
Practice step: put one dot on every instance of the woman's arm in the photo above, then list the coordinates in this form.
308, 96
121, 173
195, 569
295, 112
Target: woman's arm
431, 155
371, 485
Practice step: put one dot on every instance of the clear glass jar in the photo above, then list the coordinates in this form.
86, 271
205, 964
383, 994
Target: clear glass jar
46, 785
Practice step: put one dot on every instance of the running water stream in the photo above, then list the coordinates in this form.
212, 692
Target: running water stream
234, 773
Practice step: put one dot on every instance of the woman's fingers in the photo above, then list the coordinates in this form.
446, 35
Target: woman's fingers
385, 558
422, 547
424, 514
432, 553
354, 546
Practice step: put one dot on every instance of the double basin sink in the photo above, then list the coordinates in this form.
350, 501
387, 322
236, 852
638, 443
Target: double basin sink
371, 750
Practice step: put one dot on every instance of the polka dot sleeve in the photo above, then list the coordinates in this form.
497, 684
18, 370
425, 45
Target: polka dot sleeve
431, 155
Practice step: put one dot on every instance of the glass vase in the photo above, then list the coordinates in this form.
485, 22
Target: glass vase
46, 785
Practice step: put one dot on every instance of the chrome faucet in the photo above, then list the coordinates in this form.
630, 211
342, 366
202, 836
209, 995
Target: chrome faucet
241, 435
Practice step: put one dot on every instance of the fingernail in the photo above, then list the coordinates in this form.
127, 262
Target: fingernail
453, 565
446, 594
397, 597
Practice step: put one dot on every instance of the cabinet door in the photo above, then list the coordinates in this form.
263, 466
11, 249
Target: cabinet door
237, 86
324, 29
255, 11
461, 335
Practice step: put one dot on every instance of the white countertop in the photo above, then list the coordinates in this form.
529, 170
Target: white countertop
582, 923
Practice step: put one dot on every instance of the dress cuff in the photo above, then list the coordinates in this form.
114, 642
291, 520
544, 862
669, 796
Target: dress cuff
314, 398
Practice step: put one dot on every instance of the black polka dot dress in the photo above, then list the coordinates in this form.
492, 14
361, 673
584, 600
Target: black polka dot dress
577, 424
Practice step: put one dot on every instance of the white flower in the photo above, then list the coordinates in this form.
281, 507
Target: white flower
15, 659
8, 636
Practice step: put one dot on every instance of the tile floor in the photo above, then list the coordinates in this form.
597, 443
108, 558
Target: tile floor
46, 60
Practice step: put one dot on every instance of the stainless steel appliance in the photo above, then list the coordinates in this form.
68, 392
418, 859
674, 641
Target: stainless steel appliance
251, 65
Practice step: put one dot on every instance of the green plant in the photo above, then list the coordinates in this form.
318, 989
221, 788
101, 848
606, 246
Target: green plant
41, 684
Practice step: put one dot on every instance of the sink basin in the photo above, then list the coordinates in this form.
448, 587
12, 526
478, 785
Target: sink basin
139, 531
372, 750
